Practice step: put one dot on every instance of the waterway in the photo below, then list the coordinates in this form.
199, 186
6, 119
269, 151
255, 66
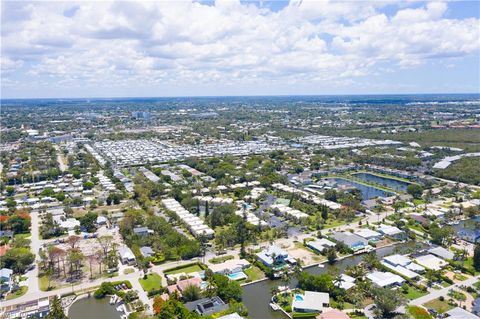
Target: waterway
385, 181
256, 297
91, 308
368, 192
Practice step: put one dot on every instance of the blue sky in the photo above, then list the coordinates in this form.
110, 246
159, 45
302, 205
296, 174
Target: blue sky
227, 47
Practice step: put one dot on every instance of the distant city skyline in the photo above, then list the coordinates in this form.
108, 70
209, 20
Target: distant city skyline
232, 48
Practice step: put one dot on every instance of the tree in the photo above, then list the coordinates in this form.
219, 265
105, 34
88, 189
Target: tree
56, 310
17, 259
387, 300
191, 293
476, 257
331, 255
226, 288
415, 190
88, 220
10, 190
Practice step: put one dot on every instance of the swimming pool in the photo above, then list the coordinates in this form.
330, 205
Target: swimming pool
237, 276
298, 298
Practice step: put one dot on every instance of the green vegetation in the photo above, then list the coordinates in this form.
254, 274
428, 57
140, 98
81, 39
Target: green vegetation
438, 305
184, 269
254, 273
152, 282
418, 312
221, 259
18, 293
414, 293
464, 170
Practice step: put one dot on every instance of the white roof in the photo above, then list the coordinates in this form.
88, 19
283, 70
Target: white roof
398, 260
312, 301
367, 233
401, 270
459, 313
431, 262
384, 279
229, 265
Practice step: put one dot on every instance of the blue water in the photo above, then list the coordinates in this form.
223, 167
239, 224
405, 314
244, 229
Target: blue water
298, 298
391, 183
368, 192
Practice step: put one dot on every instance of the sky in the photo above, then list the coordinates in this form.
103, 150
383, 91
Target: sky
227, 47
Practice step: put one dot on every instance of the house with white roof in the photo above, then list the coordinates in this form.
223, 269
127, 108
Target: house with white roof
431, 262
392, 232
397, 260
385, 279
310, 301
320, 245
126, 255
346, 282
273, 257
442, 253
369, 234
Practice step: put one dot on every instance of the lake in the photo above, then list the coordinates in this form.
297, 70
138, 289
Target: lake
256, 297
368, 192
385, 181
91, 308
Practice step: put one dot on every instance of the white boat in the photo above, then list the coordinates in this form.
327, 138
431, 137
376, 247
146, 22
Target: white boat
274, 306
120, 308
113, 299
321, 266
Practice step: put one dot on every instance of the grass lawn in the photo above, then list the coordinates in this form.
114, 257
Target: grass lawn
20, 292
221, 259
331, 223
153, 281
187, 269
22, 236
254, 273
469, 264
127, 271
438, 305
43, 283
418, 312
414, 293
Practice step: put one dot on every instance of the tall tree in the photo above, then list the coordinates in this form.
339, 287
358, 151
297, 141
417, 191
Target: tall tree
56, 310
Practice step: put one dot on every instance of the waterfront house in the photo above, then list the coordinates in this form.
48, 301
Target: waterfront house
352, 241
310, 301
398, 262
385, 279
392, 232
346, 282
320, 245
273, 257
369, 234
229, 267
181, 285
207, 306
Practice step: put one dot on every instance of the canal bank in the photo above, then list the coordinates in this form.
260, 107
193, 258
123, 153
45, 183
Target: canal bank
257, 296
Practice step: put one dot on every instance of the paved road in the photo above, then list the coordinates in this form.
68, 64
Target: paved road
442, 292
35, 244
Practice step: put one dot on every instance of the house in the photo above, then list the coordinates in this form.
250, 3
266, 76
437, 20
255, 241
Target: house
231, 316
126, 255
398, 262
392, 232
321, 244
420, 219
229, 267
207, 306
369, 234
142, 231
441, 252
346, 282
310, 301
181, 285
470, 235
459, 313
431, 262
333, 314
147, 251
7, 233
6, 279
273, 257
352, 241
385, 279
101, 220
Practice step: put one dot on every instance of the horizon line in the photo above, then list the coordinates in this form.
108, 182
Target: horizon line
232, 96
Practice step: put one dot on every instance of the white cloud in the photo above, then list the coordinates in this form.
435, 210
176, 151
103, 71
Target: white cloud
116, 43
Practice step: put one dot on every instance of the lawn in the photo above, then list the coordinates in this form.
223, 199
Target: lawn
153, 282
187, 269
43, 283
418, 312
438, 305
221, 259
414, 293
254, 273
20, 292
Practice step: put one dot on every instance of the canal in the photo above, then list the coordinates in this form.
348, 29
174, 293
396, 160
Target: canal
368, 192
91, 308
385, 181
256, 297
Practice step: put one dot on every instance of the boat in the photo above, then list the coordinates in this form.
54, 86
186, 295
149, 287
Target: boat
120, 308
274, 306
113, 299
321, 266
